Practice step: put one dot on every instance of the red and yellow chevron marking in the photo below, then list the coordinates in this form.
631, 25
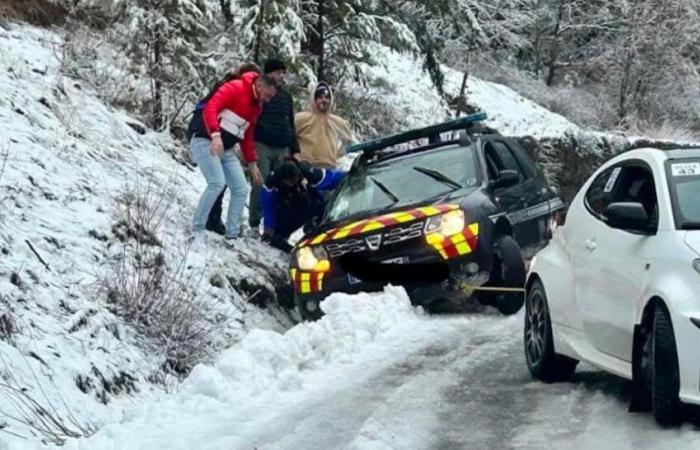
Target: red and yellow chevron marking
378, 223
456, 245
306, 282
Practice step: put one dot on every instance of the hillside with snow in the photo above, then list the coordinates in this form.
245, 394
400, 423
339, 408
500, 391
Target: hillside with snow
83, 185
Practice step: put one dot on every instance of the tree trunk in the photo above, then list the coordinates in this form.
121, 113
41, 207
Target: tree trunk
461, 101
157, 82
321, 42
258, 32
226, 12
556, 42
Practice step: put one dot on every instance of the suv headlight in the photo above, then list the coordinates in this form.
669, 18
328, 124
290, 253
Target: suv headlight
447, 224
313, 259
696, 265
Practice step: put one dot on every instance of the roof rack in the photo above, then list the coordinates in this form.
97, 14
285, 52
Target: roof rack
432, 133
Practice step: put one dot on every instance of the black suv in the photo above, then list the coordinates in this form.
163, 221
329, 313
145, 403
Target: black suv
439, 219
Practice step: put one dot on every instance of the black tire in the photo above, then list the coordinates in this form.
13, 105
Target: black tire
665, 378
510, 272
542, 362
306, 315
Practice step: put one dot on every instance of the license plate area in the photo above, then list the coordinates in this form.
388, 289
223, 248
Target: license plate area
398, 260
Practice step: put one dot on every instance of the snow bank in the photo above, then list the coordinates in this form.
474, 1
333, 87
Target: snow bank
68, 157
262, 372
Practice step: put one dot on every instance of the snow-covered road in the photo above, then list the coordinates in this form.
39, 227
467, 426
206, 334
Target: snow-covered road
376, 373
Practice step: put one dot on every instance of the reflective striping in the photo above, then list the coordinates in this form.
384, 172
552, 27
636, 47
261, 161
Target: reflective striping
372, 226
320, 238
378, 223
456, 245
306, 282
430, 211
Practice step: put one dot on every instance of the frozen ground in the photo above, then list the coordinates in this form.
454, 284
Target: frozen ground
376, 373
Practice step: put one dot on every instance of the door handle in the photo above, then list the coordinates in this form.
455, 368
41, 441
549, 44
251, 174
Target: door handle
590, 245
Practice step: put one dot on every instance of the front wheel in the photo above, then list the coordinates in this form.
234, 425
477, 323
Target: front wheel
665, 379
542, 362
511, 274
306, 314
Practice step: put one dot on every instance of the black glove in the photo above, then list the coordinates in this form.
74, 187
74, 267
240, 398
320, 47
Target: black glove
277, 242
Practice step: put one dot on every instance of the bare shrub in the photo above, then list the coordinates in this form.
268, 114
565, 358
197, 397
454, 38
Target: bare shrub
37, 414
155, 295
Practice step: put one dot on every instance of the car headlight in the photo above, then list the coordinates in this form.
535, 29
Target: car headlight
696, 265
314, 259
447, 224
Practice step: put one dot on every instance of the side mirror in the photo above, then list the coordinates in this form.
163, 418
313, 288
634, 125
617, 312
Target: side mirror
627, 216
506, 178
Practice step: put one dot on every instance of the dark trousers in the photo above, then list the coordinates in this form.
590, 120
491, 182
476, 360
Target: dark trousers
290, 220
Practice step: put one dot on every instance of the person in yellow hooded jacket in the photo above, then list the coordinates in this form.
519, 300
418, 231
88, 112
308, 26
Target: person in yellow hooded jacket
321, 134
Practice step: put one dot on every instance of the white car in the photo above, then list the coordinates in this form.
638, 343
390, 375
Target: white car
618, 285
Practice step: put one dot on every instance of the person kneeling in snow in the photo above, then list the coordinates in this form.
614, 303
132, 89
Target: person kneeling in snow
291, 198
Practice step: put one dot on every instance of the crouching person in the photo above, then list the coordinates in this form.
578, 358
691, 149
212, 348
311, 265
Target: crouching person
292, 197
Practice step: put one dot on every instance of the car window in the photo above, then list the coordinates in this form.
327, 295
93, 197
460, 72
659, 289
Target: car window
599, 193
526, 163
405, 181
507, 159
684, 183
631, 182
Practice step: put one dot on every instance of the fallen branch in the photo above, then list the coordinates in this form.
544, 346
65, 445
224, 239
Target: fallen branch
37, 255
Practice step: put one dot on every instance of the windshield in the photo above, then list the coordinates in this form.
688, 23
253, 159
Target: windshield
406, 181
684, 183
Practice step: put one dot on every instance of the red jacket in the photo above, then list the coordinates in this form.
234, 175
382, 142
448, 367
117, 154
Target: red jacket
238, 97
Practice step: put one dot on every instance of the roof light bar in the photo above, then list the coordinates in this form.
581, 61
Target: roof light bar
431, 132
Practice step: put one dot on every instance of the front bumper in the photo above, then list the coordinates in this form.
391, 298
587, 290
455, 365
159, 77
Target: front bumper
472, 269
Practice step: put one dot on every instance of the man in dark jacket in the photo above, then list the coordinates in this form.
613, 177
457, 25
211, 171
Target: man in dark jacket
292, 197
275, 138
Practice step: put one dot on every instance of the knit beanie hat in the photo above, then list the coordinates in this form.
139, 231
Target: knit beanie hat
274, 64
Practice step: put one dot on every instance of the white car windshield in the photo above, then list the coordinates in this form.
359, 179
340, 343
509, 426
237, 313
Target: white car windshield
406, 180
684, 182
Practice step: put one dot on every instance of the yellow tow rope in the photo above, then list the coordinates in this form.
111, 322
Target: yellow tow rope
468, 289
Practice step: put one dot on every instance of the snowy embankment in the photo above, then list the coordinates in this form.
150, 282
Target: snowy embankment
234, 402
74, 174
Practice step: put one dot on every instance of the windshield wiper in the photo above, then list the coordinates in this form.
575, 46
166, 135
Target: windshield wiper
386, 190
434, 174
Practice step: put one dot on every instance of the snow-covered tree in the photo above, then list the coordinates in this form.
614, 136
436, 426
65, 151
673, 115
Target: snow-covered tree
166, 40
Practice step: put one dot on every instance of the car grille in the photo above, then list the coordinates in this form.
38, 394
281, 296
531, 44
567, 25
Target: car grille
392, 236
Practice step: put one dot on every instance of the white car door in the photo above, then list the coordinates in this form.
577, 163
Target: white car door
584, 225
618, 263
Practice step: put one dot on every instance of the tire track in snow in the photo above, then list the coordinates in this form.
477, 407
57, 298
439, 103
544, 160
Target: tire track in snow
396, 402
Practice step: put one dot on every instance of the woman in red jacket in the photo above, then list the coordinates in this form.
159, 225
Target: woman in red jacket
227, 117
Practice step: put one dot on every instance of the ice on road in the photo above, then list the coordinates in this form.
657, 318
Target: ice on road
377, 373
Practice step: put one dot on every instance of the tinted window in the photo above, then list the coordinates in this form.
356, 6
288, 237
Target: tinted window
633, 182
507, 159
684, 182
600, 192
367, 190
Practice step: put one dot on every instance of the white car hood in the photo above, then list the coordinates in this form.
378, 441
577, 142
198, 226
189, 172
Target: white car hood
692, 240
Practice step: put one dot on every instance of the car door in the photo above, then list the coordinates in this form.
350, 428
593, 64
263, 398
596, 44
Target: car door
610, 278
517, 199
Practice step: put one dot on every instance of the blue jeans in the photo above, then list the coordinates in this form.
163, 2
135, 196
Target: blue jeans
219, 171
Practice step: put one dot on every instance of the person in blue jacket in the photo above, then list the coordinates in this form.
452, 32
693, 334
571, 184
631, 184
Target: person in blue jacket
291, 197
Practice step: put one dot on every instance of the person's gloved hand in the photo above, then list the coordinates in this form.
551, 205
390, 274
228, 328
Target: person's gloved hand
277, 242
